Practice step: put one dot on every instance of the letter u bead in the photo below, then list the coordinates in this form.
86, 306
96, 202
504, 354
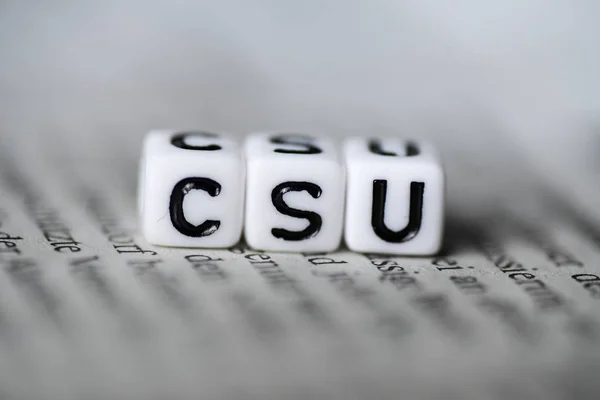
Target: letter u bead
395, 197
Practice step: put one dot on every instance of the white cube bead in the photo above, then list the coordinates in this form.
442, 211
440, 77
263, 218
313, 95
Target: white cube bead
395, 197
294, 194
191, 190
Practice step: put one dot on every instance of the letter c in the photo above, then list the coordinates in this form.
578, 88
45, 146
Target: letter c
179, 140
181, 189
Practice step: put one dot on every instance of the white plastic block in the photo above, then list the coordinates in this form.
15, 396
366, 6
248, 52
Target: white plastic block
191, 189
394, 198
294, 194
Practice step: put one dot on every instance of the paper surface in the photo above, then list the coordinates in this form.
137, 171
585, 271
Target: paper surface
88, 309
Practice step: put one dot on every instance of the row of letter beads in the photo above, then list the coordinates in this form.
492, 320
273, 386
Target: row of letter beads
296, 193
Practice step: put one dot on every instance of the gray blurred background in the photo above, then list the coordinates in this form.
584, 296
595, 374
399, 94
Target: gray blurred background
102, 70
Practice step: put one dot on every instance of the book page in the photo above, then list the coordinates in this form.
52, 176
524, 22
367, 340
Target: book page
89, 309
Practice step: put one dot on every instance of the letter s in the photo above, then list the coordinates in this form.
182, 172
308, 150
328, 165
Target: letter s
302, 141
314, 219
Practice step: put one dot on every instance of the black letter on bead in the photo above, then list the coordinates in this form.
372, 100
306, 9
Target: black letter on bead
415, 212
375, 147
293, 139
178, 140
179, 192
314, 219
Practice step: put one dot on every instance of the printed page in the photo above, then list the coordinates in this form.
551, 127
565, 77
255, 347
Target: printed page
89, 309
